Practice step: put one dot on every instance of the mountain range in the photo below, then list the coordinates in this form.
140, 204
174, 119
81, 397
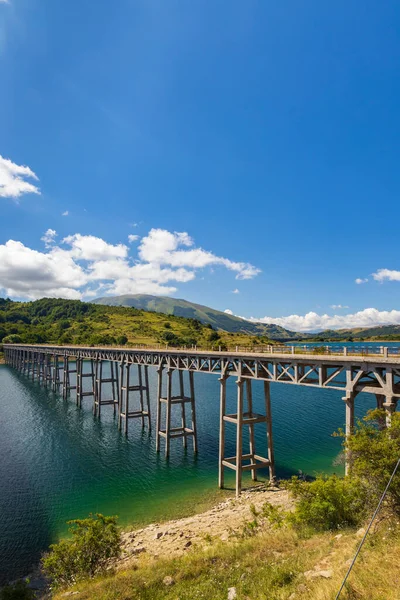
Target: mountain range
230, 323
206, 315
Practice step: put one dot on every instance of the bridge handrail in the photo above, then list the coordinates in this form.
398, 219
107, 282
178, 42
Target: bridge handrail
306, 349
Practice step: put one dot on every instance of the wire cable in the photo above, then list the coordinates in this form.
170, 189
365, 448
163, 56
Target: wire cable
367, 530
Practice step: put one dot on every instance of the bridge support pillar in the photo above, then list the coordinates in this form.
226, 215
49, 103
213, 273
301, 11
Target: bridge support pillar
390, 406
250, 461
125, 388
181, 400
101, 380
81, 375
68, 371
349, 400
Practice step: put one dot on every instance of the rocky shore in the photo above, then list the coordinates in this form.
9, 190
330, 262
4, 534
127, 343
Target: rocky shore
222, 522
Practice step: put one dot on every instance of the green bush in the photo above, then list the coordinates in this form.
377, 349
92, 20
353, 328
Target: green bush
374, 451
95, 542
12, 339
214, 336
122, 340
327, 503
17, 591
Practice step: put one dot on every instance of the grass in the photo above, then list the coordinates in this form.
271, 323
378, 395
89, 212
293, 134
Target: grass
270, 565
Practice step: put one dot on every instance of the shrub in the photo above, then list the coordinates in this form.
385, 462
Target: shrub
327, 503
12, 339
122, 340
374, 453
95, 542
213, 337
17, 591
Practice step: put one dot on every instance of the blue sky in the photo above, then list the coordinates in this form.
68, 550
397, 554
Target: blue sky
267, 132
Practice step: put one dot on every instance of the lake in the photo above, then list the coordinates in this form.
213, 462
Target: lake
58, 462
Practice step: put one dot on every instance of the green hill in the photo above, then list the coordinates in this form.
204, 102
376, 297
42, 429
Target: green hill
204, 314
57, 321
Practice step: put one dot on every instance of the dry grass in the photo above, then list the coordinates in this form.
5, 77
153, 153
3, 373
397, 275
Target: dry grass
268, 566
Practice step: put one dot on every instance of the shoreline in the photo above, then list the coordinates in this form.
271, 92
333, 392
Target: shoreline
222, 522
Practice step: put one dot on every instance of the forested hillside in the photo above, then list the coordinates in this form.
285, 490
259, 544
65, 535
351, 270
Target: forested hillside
74, 322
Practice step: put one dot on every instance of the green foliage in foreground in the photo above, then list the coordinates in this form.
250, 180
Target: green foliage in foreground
328, 503
374, 451
17, 591
95, 542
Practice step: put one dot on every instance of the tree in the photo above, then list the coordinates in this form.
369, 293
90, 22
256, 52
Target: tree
374, 452
122, 340
95, 542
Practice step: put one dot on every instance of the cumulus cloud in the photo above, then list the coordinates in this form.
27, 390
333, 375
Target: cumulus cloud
132, 238
65, 213
369, 317
235, 291
12, 180
359, 280
85, 265
338, 306
89, 247
163, 247
228, 311
31, 274
386, 274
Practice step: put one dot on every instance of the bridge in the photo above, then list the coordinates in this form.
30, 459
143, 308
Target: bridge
62, 369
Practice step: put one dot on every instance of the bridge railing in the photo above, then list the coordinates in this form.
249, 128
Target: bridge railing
282, 349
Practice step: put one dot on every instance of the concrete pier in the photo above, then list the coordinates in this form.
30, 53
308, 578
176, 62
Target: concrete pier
124, 386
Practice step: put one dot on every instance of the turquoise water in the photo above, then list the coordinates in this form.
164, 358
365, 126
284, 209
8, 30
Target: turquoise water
58, 462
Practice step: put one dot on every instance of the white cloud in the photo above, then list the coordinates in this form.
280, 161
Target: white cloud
228, 311
132, 238
359, 280
163, 247
86, 266
4, 2
89, 247
65, 213
12, 180
235, 291
369, 317
49, 238
338, 306
27, 273
388, 274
